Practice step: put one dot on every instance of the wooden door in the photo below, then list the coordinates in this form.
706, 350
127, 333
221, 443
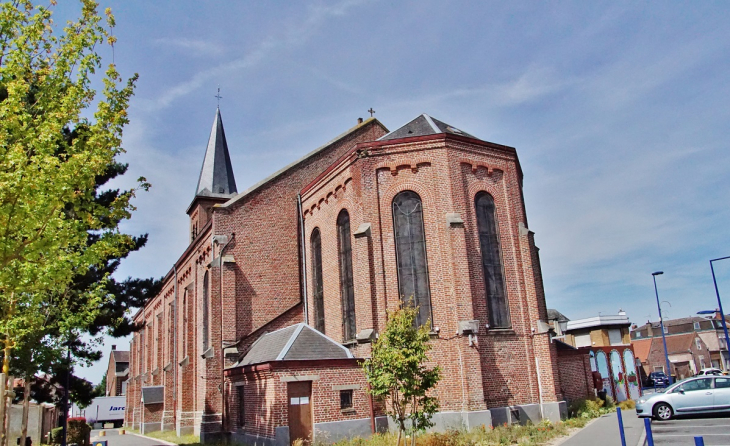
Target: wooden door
300, 411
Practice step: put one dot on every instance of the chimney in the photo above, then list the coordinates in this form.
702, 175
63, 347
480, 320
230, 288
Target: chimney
114, 347
649, 330
359, 120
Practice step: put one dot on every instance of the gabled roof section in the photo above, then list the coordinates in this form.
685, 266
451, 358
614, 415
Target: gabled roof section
370, 122
294, 343
642, 348
424, 125
680, 343
120, 356
216, 175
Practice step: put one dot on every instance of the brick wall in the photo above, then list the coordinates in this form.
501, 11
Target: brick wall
447, 174
576, 378
266, 401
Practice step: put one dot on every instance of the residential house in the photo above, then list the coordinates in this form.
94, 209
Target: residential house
117, 372
608, 342
687, 353
709, 330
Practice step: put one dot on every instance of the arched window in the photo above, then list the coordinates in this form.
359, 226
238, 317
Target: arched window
410, 252
347, 285
205, 312
492, 261
317, 282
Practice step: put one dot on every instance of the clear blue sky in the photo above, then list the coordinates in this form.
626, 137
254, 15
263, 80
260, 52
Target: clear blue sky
618, 110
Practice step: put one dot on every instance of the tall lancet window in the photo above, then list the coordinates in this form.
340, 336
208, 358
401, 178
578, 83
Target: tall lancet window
317, 282
492, 261
347, 285
410, 252
206, 316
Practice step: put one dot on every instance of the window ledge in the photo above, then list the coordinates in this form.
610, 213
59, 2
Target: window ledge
350, 343
501, 331
348, 410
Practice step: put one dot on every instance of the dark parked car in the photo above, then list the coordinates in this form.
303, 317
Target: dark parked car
657, 379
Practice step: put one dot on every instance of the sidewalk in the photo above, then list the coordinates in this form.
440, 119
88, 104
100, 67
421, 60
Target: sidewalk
604, 431
113, 438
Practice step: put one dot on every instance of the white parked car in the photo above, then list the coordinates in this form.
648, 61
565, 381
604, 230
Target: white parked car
702, 394
710, 371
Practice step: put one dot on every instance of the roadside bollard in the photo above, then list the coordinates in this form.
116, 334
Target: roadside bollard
699, 441
621, 426
122, 431
649, 436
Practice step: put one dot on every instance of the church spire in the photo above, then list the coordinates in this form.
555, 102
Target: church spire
216, 175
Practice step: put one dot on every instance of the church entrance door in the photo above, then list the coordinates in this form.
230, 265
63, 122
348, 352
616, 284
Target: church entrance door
300, 411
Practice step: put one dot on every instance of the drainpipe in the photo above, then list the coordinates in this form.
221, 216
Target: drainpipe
304, 258
223, 349
174, 343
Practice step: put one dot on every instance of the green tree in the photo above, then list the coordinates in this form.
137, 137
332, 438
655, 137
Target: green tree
57, 138
397, 372
100, 389
48, 180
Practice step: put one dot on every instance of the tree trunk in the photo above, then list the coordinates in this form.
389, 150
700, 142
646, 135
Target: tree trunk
26, 409
400, 433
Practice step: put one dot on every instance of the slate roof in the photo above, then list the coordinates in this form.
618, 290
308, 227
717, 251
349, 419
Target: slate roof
120, 356
424, 125
216, 175
555, 315
153, 395
296, 342
679, 321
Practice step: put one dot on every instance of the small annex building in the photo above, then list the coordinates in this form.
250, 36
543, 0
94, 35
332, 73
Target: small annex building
285, 371
261, 326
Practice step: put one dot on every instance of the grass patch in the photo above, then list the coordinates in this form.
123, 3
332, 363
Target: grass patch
527, 435
580, 413
171, 436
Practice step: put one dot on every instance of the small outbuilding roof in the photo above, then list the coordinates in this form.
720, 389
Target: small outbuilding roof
153, 395
296, 342
555, 315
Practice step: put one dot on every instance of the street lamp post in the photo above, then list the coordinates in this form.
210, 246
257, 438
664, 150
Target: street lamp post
661, 324
719, 304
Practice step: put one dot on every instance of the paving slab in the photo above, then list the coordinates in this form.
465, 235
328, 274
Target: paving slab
714, 429
604, 431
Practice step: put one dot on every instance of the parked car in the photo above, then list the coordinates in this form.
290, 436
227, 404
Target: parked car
710, 371
703, 394
657, 379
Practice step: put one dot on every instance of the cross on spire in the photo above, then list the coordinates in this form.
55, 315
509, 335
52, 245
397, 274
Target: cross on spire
218, 96
371, 111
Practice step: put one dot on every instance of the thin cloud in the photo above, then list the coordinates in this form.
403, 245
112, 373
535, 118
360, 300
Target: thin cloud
294, 37
191, 47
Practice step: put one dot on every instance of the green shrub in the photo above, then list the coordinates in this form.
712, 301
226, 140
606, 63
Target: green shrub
56, 435
78, 431
627, 405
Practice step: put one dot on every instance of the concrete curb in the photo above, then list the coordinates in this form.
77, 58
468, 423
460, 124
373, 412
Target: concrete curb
152, 438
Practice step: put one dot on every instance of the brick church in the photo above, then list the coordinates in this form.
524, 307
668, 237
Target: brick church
262, 322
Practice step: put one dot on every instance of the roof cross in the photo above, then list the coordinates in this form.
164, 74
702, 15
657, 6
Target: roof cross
371, 111
219, 97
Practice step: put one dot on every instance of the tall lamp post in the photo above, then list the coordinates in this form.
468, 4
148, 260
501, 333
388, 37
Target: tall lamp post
661, 323
719, 304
